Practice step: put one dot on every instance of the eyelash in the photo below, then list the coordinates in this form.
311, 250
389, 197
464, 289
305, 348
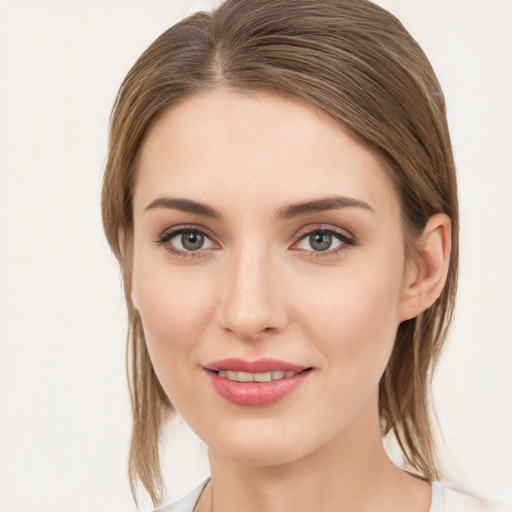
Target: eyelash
344, 237
167, 236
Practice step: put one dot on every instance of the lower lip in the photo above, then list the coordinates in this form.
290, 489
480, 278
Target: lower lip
256, 394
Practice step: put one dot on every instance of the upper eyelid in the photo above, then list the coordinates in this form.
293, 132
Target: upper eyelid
342, 234
176, 230
323, 227
304, 231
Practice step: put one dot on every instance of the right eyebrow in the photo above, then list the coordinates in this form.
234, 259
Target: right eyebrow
184, 205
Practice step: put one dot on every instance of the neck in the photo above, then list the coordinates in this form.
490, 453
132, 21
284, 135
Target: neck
349, 472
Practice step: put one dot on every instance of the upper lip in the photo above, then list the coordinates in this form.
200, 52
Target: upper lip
258, 366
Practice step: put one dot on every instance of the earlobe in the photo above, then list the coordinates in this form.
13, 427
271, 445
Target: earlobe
427, 274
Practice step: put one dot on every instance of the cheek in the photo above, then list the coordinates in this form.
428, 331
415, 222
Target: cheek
354, 319
175, 307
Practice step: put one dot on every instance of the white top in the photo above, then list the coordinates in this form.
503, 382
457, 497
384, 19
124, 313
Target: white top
443, 500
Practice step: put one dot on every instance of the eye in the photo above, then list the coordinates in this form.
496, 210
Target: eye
322, 240
185, 241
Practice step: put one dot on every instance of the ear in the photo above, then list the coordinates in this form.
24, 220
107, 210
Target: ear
426, 275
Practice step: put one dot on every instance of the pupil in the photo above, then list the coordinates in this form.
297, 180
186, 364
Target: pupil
192, 241
321, 241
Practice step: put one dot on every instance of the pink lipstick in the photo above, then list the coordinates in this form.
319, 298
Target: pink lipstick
255, 383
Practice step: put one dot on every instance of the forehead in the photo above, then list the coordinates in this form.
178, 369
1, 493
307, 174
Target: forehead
260, 149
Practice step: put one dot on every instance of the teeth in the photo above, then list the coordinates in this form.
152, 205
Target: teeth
263, 377
245, 377
255, 377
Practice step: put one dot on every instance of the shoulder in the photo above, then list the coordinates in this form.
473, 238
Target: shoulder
187, 503
445, 499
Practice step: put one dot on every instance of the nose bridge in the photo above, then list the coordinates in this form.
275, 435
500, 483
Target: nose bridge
251, 303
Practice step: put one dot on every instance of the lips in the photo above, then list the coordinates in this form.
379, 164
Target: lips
255, 383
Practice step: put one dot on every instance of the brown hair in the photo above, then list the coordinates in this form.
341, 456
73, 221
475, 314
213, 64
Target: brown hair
358, 64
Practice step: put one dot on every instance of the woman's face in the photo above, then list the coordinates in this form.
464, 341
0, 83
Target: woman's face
264, 232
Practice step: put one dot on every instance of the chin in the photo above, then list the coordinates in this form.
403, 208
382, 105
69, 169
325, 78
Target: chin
264, 445
262, 454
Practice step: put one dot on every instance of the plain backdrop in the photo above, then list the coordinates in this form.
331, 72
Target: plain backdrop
64, 410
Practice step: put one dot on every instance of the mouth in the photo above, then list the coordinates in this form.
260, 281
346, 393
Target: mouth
257, 377
254, 367
258, 383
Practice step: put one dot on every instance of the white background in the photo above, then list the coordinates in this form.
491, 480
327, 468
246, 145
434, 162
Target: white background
64, 411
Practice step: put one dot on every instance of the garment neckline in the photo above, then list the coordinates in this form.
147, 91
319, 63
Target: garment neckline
436, 503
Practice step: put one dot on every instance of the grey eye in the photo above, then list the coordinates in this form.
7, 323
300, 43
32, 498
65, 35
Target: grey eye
190, 240
321, 240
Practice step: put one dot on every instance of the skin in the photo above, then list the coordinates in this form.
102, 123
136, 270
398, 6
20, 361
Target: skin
258, 288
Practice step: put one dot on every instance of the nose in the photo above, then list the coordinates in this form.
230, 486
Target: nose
252, 303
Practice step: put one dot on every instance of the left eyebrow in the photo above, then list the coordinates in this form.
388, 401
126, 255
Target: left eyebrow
320, 205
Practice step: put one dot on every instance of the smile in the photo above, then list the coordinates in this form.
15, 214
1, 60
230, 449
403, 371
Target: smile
257, 383
255, 377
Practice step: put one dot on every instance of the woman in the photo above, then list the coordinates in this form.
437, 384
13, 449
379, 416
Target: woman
280, 193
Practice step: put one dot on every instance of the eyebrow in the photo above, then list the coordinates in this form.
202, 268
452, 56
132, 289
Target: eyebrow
286, 212
183, 205
319, 205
